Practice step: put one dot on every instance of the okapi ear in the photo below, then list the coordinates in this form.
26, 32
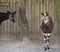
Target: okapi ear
42, 13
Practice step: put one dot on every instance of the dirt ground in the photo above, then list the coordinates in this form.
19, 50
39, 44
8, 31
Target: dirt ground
25, 46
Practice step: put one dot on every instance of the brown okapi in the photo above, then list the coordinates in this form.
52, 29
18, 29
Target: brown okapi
46, 23
7, 15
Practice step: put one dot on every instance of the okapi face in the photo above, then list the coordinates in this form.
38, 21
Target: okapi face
47, 21
9, 15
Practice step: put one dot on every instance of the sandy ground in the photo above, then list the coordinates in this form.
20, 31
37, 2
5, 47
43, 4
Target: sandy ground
25, 46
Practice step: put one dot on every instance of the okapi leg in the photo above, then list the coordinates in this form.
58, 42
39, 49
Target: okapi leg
45, 41
48, 42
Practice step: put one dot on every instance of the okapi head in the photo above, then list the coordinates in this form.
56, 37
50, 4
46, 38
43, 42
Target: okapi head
11, 15
7, 15
47, 19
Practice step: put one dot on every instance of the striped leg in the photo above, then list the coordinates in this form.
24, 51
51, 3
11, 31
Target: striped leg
45, 41
48, 42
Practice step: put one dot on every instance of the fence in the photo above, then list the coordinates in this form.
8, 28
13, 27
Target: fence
28, 18
33, 10
9, 29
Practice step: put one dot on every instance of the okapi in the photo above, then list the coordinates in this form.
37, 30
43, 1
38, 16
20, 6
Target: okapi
46, 23
7, 15
47, 27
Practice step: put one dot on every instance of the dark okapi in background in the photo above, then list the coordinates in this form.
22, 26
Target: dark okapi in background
24, 21
7, 15
22, 13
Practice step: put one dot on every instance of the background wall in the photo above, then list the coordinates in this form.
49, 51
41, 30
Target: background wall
28, 18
